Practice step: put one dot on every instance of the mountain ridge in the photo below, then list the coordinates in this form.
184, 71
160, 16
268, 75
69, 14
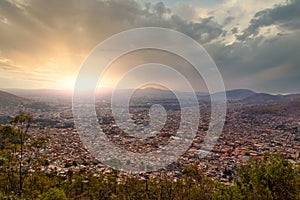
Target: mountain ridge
242, 95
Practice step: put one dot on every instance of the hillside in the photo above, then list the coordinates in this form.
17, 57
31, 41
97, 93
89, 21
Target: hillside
11, 104
231, 95
7, 99
264, 98
238, 94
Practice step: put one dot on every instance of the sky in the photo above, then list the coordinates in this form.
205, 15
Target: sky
255, 44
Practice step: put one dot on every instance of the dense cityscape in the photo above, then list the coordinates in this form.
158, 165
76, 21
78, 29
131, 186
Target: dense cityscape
248, 132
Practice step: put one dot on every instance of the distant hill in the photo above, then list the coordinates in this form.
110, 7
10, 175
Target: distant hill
10, 103
44, 95
7, 99
151, 93
264, 98
62, 97
238, 94
154, 93
244, 95
231, 95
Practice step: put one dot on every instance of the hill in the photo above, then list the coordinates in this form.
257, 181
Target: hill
43, 95
7, 99
11, 104
231, 95
238, 94
263, 98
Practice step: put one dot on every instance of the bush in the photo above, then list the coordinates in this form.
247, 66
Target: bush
270, 177
54, 194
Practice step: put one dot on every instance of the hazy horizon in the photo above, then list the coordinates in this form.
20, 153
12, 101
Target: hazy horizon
109, 90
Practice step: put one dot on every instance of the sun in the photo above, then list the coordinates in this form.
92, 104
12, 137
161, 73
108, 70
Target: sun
67, 83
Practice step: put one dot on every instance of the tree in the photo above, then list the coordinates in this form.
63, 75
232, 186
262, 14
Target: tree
21, 122
270, 177
12, 139
54, 194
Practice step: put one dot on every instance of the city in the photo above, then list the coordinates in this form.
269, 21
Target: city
247, 133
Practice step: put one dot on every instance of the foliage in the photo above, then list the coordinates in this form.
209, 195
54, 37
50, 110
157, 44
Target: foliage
269, 177
54, 194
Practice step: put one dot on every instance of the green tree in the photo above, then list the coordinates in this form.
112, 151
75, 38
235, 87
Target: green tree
21, 122
271, 177
54, 194
12, 140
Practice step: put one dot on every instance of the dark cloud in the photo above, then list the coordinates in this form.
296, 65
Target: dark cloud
262, 63
234, 30
204, 31
160, 9
83, 24
285, 16
21, 32
228, 20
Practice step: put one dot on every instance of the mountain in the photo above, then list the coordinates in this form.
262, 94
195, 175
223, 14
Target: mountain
231, 95
11, 104
264, 98
7, 99
238, 94
65, 97
155, 93
44, 95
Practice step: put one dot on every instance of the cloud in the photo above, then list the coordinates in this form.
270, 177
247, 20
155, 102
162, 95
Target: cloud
7, 65
42, 28
256, 62
185, 11
44, 38
284, 16
228, 20
203, 31
36, 32
234, 30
